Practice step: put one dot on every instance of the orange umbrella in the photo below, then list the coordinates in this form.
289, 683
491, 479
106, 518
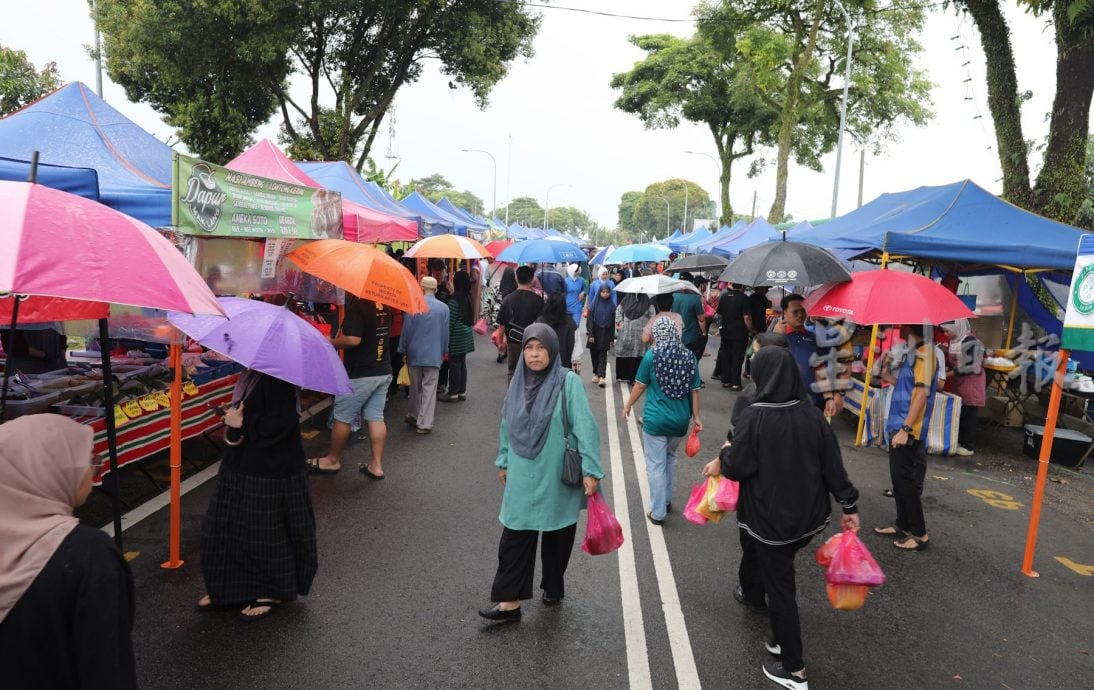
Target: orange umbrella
359, 269
447, 247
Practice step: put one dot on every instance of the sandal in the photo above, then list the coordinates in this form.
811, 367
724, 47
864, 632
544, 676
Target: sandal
920, 544
270, 607
887, 493
315, 468
890, 531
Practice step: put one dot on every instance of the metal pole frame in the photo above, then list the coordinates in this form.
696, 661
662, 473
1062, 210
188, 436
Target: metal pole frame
494, 206
719, 166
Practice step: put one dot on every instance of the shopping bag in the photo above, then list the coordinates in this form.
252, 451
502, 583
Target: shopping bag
852, 564
692, 446
708, 508
480, 326
403, 379
726, 496
603, 533
824, 554
847, 597
691, 512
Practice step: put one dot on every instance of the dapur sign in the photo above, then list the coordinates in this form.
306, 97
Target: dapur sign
212, 201
1079, 318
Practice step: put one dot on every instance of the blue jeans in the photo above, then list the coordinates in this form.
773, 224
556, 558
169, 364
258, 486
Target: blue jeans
660, 469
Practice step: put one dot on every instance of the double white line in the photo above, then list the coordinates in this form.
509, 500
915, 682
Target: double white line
635, 634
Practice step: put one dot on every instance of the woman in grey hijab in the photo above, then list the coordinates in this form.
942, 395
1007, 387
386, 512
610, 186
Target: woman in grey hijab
530, 460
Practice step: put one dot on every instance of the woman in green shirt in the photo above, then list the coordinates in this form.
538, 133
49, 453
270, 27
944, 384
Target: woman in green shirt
670, 373
529, 463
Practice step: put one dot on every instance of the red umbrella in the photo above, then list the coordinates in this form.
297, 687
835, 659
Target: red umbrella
496, 246
886, 296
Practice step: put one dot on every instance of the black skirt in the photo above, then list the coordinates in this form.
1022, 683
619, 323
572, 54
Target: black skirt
626, 368
258, 538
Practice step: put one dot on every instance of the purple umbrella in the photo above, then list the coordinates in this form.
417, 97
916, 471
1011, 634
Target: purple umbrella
269, 339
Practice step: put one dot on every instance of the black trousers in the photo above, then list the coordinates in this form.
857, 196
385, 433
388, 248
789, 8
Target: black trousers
397, 361
907, 470
769, 570
457, 374
599, 359
731, 358
442, 377
966, 435
517, 563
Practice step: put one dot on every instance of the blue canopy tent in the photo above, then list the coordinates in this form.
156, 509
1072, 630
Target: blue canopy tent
676, 234
74, 127
340, 177
79, 181
756, 232
474, 225
793, 232
725, 234
517, 232
442, 222
681, 243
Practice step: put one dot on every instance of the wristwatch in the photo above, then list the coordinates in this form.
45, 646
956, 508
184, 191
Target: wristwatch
907, 429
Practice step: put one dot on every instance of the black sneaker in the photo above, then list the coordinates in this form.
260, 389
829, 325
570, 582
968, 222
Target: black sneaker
785, 678
739, 595
494, 613
773, 648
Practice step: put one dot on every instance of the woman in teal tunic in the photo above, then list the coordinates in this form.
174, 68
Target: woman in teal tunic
529, 464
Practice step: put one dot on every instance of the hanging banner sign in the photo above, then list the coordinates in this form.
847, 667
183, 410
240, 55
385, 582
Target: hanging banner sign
1079, 319
213, 201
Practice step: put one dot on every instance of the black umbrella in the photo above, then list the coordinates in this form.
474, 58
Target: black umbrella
699, 262
785, 263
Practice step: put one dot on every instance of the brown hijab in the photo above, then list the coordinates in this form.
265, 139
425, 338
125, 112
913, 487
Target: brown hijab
43, 460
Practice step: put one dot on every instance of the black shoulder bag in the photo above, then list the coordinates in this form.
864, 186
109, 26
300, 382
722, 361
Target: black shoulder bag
571, 458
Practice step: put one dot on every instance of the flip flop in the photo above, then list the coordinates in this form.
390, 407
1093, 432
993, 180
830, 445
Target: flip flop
314, 468
270, 607
365, 470
920, 544
889, 531
888, 493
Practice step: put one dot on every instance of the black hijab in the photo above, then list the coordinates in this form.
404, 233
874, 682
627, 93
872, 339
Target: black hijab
508, 281
777, 377
461, 286
635, 305
530, 403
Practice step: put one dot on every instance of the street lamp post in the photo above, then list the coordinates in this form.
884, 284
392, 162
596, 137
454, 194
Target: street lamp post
843, 105
684, 224
495, 206
547, 210
717, 165
668, 215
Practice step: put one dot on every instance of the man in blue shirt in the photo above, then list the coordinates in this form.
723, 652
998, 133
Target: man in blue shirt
689, 305
825, 378
424, 342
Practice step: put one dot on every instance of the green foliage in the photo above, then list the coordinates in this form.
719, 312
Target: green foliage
648, 219
21, 83
373, 173
436, 187
626, 209
524, 210
219, 68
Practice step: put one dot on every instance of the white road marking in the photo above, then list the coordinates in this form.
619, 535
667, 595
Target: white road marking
152, 505
638, 663
687, 676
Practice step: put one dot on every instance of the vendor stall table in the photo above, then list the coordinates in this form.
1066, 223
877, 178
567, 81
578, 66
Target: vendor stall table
1015, 399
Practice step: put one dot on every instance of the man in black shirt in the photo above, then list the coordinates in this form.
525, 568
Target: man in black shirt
519, 309
364, 337
733, 307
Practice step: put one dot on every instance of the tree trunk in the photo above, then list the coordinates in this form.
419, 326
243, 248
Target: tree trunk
727, 173
1003, 100
1061, 184
788, 117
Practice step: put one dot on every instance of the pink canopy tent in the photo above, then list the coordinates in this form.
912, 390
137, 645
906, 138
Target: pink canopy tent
359, 223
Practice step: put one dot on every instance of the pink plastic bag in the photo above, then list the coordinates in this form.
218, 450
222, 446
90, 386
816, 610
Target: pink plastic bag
691, 512
852, 564
824, 554
726, 498
480, 326
603, 534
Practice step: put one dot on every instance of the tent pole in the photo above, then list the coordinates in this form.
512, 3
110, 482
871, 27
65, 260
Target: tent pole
1013, 306
111, 430
1042, 464
173, 559
869, 370
8, 364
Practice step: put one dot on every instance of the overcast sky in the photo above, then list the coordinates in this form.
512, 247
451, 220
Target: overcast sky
551, 121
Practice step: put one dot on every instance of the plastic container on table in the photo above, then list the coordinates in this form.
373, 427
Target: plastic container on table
35, 405
1068, 446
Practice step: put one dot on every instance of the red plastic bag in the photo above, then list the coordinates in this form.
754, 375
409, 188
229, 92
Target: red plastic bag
852, 564
691, 513
847, 597
480, 326
603, 534
824, 553
692, 447
707, 507
726, 498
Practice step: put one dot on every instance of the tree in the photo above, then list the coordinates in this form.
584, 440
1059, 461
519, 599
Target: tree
432, 184
649, 218
1060, 189
626, 209
524, 210
694, 79
219, 68
21, 83
789, 53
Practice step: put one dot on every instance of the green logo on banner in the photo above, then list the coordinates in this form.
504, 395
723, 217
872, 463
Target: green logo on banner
1082, 296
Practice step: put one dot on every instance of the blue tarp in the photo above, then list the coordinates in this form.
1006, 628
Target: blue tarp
432, 213
726, 234
74, 127
959, 222
340, 177
472, 222
756, 232
79, 181
680, 244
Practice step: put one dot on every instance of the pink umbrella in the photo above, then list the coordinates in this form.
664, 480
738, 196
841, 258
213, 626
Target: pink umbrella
60, 245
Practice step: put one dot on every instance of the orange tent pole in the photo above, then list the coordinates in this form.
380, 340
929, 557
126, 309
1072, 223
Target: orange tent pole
174, 539
1042, 464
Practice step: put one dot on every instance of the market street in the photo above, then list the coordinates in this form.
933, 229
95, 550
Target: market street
404, 563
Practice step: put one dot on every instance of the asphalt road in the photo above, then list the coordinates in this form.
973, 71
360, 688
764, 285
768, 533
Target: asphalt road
404, 563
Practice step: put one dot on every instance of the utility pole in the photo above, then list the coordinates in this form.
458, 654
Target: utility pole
685, 222
753, 204
861, 174
843, 104
508, 175
98, 52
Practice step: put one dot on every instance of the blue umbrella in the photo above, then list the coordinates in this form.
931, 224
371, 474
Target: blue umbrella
540, 251
638, 252
600, 256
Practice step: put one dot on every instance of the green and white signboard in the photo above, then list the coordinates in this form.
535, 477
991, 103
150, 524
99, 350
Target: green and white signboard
1079, 319
212, 201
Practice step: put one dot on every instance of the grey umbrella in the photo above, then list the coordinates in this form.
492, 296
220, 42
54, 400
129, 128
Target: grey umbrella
698, 262
785, 263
